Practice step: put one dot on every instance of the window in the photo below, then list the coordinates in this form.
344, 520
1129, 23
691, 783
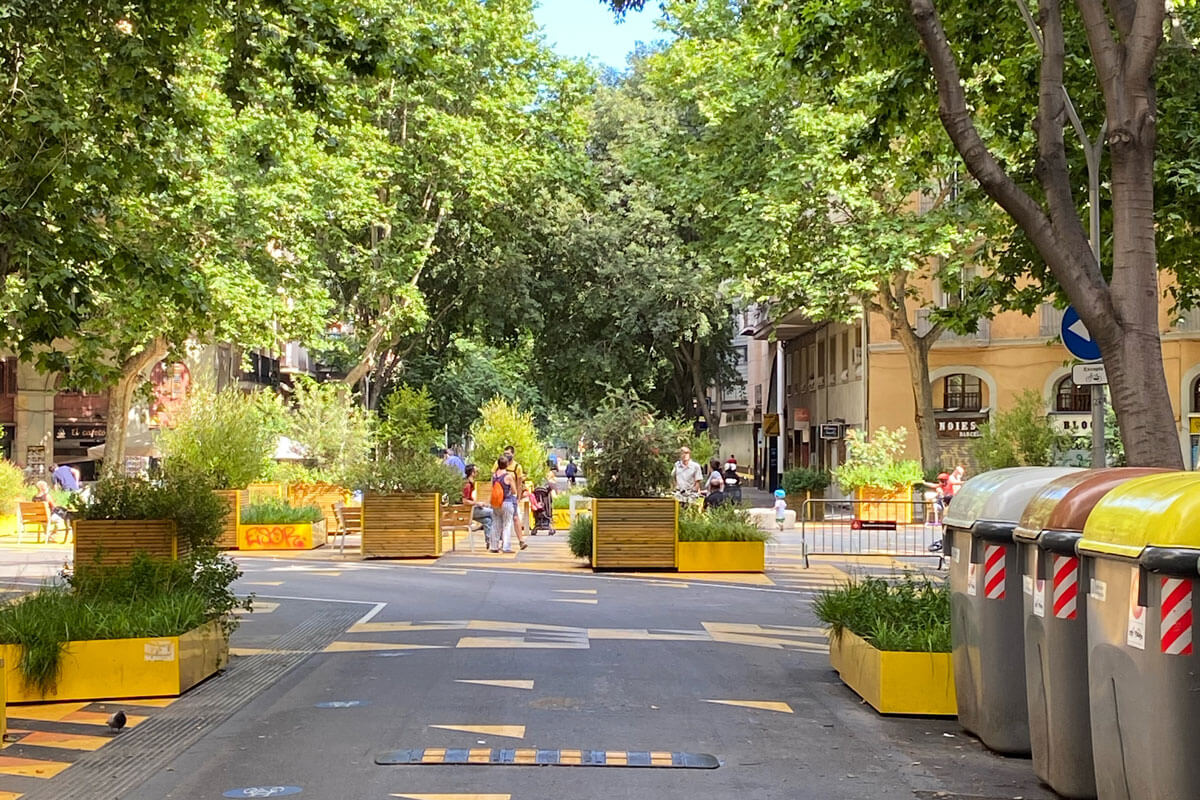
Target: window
962, 393
1196, 396
1071, 397
846, 353
8, 377
821, 362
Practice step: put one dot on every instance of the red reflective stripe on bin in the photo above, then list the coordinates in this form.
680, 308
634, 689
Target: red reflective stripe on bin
993, 572
1176, 624
1066, 586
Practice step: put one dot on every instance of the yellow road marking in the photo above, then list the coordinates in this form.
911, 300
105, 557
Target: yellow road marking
615, 757
30, 767
760, 705
397, 627
451, 796
9, 795
366, 647
153, 702
46, 712
573, 600
515, 643
479, 755
643, 635
65, 741
510, 731
264, 583
503, 684
576, 591
433, 755
525, 755
660, 758
570, 756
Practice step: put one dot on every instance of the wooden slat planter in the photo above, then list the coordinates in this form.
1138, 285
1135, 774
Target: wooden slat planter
634, 533
258, 492
401, 526
321, 495
281, 535
895, 683
100, 669
228, 540
114, 542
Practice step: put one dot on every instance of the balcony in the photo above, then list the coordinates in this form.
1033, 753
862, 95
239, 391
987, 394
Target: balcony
1049, 320
1189, 322
962, 401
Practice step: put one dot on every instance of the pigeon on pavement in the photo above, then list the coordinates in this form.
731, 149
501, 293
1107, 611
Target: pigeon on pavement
116, 722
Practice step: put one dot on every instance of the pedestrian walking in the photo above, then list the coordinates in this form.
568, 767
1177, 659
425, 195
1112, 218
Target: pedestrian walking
504, 488
572, 471
451, 459
521, 490
480, 512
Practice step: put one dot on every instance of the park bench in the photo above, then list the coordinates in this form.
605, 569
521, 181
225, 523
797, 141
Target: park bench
34, 517
458, 517
349, 520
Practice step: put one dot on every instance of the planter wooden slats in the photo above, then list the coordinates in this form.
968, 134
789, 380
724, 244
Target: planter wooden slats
321, 495
634, 533
114, 542
258, 492
401, 526
895, 683
228, 539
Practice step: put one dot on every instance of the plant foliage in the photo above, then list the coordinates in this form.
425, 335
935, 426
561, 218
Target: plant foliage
275, 511
422, 474
799, 480
224, 436
875, 463
407, 428
502, 424
187, 499
334, 430
725, 523
580, 537
1020, 436
912, 615
629, 452
12, 487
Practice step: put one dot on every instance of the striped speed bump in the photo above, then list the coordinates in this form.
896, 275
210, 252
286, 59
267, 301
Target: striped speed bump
536, 757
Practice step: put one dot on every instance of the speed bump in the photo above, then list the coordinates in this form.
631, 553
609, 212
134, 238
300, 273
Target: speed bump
537, 757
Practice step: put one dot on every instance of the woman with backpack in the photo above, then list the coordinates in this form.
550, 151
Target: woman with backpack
504, 503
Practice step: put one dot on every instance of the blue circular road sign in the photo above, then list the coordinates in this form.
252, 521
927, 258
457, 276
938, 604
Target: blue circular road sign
1076, 337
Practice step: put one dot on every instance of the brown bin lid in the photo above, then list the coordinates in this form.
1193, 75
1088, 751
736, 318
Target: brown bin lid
1065, 503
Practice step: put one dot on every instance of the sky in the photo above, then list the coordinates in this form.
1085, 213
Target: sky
581, 28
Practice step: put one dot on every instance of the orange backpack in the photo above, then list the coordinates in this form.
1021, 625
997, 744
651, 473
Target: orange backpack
497, 492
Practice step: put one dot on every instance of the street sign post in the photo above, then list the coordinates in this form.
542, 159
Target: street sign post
1079, 343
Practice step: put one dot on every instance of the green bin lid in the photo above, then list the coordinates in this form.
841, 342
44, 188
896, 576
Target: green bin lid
999, 496
1062, 506
1160, 511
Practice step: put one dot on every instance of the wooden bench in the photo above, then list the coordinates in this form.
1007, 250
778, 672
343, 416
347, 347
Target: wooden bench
349, 520
457, 518
36, 518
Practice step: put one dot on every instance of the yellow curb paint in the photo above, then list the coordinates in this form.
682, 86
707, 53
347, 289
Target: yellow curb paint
30, 767
10, 795
615, 757
573, 600
576, 591
65, 741
503, 684
759, 705
451, 796
570, 756
46, 712
366, 647
510, 731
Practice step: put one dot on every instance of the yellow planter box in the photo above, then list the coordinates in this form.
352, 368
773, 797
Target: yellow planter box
281, 536
722, 557
884, 504
109, 669
895, 683
634, 533
401, 525
8, 524
562, 519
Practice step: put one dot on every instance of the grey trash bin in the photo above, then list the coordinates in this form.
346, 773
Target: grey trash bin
986, 612
1053, 586
1140, 545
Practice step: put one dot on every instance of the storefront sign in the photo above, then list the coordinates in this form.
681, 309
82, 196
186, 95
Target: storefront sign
35, 459
81, 431
800, 417
960, 427
831, 430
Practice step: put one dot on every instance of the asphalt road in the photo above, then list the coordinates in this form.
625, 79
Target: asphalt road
347, 662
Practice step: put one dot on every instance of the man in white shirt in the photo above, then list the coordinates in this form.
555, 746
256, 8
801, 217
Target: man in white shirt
687, 474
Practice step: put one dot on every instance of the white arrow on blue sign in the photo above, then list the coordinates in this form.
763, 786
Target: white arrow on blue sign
1076, 337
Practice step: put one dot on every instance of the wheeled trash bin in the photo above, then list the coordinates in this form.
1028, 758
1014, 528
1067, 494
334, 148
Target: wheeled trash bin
986, 613
1140, 546
1060, 733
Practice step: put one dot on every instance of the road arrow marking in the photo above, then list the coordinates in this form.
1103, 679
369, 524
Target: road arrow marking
761, 705
503, 684
511, 731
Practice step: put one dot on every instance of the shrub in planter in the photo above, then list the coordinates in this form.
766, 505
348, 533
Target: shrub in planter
580, 536
912, 615
421, 474
629, 453
725, 523
875, 463
226, 437
279, 512
802, 483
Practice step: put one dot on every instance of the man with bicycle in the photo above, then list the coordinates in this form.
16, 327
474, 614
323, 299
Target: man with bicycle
687, 476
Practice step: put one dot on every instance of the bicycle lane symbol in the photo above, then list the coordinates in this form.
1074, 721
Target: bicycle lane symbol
263, 791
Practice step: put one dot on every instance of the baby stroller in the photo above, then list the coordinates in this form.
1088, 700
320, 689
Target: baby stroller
543, 512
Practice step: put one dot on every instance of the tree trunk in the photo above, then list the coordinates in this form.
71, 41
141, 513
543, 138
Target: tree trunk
694, 363
120, 401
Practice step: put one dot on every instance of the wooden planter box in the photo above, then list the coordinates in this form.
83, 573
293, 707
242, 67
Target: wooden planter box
401, 526
281, 535
228, 539
884, 505
107, 669
258, 492
816, 511
113, 542
722, 557
562, 519
895, 683
634, 533
321, 495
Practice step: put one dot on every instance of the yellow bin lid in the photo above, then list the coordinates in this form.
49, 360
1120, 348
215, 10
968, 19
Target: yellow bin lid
1056, 514
1161, 511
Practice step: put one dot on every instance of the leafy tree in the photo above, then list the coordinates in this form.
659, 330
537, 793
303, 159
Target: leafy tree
406, 430
502, 424
629, 451
334, 430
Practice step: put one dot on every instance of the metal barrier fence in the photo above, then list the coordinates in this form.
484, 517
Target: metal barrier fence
912, 529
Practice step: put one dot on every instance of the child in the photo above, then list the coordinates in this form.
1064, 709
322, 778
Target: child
780, 508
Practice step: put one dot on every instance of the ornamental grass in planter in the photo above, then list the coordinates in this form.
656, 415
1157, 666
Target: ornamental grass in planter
890, 642
722, 539
276, 524
629, 469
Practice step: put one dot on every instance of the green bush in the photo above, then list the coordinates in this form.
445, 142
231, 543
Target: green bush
188, 499
580, 537
1020, 436
501, 424
703, 446
12, 488
562, 500
912, 615
406, 430
725, 523
146, 598
424, 474
227, 437
629, 452
276, 511
333, 428
799, 480
875, 463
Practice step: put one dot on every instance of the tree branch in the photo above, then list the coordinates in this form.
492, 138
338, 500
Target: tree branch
1052, 155
1106, 55
1141, 46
